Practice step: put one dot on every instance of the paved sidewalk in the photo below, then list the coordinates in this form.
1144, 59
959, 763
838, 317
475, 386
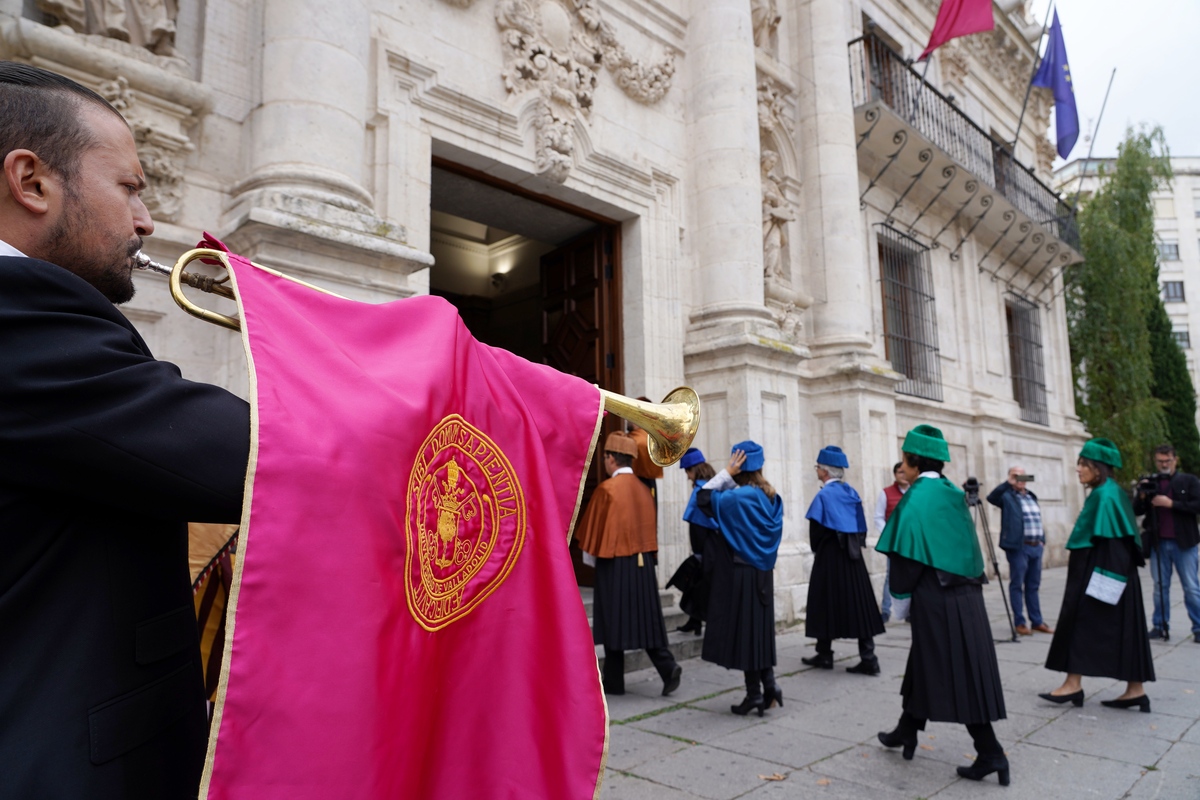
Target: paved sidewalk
822, 743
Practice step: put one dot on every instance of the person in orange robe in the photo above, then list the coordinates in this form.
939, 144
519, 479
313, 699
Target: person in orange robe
618, 529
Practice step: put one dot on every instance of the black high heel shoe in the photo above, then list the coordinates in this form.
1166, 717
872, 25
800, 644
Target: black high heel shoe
1073, 697
749, 703
897, 739
1142, 702
773, 697
986, 765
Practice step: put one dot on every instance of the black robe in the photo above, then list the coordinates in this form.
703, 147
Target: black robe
741, 610
841, 602
952, 673
1092, 637
105, 455
690, 578
626, 609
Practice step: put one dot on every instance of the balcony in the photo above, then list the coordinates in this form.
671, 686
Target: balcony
917, 145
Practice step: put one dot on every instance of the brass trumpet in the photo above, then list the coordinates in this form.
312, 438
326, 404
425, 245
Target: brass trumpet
671, 424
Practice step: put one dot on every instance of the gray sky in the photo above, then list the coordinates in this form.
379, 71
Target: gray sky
1153, 45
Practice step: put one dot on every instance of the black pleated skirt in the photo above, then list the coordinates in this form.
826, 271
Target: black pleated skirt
1092, 637
741, 611
841, 602
626, 610
952, 673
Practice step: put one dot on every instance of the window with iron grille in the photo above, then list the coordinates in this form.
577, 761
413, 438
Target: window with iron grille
1168, 251
1173, 292
1183, 338
909, 316
1025, 355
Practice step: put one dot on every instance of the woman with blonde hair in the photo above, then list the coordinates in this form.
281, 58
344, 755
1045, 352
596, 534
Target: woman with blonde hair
739, 565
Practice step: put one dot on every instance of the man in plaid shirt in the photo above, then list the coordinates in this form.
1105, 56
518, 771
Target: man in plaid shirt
1023, 540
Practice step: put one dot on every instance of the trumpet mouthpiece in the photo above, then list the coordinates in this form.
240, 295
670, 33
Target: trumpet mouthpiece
143, 261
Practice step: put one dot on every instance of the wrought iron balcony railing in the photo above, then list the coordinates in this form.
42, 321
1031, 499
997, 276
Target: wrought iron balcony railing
879, 73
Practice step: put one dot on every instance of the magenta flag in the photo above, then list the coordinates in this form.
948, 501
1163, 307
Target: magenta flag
404, 618
958, 18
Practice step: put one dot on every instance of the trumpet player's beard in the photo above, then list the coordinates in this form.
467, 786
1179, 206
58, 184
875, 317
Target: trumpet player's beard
105, 259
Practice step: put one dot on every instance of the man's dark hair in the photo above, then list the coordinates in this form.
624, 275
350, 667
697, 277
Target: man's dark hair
924, 463
622, 459
1164, 450
39, 111
897, 466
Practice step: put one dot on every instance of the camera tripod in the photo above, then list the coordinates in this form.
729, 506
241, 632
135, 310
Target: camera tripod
971, 487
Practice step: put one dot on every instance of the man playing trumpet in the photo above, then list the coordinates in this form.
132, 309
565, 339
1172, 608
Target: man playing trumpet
105, 454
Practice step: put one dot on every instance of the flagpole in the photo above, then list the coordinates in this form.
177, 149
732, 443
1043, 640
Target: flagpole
1037, 62
1075, 199
920, 90
1092, 145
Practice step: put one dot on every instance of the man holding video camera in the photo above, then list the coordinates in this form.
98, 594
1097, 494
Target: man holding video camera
1023, 540
1170, 500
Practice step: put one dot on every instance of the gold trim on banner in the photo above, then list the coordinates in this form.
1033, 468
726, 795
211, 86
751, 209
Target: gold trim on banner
245, 532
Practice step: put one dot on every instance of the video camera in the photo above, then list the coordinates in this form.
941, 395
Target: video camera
971, 487
1147, 485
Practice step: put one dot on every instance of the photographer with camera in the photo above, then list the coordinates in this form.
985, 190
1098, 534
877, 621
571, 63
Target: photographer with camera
1170, 500
1023, 540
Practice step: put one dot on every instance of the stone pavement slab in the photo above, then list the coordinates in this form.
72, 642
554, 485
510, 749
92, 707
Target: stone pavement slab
822, 743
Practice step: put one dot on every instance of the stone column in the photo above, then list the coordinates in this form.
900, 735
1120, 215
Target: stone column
836, 260
304, 207
724, 159
307, 133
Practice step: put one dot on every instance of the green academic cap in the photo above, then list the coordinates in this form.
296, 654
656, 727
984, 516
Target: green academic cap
1102, 450
926, 440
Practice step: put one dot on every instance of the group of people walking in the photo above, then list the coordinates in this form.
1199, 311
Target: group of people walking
935, 571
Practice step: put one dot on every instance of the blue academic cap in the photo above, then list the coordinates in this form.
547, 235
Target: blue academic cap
691, 458
832, 456
754, 455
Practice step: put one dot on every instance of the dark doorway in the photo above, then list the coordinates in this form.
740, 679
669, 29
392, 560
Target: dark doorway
532, 275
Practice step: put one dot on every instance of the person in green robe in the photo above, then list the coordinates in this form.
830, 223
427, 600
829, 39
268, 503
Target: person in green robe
952, 673
1101, 629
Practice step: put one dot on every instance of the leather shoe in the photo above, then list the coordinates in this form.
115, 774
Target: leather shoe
1155, 633
1024, 630
1196, 638
672, 683
865, 668
822, 660
986, 765
1074, 697
1042, 627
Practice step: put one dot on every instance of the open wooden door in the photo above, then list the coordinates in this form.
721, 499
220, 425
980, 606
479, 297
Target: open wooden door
581, 328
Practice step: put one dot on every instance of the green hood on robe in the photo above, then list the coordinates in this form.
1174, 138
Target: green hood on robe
1107, 514
932, 525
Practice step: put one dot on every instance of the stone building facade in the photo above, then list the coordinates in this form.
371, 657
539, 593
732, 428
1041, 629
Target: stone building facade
759, 199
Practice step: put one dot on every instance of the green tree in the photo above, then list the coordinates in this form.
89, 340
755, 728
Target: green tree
1111, 299
1172, 384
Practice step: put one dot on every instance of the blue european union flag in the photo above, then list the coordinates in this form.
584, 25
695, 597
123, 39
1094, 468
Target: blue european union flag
1055, 74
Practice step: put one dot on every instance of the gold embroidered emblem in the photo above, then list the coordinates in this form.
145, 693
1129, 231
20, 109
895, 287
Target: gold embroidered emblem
465, 523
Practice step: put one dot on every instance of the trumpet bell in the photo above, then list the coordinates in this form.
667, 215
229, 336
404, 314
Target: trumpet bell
671, 424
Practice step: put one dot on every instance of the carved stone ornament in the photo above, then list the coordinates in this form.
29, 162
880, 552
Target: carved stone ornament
149, 24
773, 116
765, 19
954, 62
162, 153
556, 49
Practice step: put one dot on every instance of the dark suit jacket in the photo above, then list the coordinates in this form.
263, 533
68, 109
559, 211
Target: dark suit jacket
1012, 519
1185, 494
105, 454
